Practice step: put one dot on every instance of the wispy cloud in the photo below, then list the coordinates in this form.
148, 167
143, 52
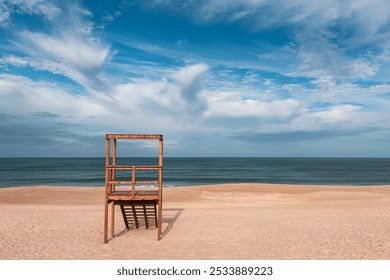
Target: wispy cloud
232, 104
178, 94
321, 59
47, 9
370, 15
67, 48
191, 84
325, 33
35, 96
4, 15
71, 55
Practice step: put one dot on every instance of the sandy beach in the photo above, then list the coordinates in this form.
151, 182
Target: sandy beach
241, 221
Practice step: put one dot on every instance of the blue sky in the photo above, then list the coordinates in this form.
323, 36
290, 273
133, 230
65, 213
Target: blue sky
216, 78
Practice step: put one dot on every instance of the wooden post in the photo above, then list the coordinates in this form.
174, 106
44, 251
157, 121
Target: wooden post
113, 189
155, 217
133, 182
113, 163
160, 174
106, 190
112, 218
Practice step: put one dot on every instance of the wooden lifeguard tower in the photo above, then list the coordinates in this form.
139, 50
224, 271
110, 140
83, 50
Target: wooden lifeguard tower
139, 205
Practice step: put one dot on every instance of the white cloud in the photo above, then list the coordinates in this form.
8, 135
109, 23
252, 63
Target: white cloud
4, 15
177, 92
321, 59
163, 104
42, 65
336, 114
190, 80
370, 15
188, 75
68, 49
334, 117
328, 34
137, 97
231, 104
14, 60
33, 96
47, 9
136, 105
379, 89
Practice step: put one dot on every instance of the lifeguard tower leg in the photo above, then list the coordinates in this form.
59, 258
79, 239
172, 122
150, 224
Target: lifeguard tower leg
105, 219
112, 218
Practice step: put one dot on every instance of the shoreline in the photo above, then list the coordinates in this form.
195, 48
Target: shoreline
226, 221
203, 185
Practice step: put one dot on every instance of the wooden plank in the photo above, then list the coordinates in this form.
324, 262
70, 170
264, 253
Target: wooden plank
160, 178
138, 193
114, 153
121, 182
134, 136
107, 152
137, 202
160, 152
133, 181
147, 182
130, 197
130, 167
112, 219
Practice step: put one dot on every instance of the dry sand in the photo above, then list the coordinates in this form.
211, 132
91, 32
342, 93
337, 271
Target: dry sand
245, 221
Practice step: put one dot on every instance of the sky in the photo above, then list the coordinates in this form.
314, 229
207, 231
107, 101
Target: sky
263, 78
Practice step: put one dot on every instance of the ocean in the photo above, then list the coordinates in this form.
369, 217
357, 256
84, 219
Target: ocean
184, 171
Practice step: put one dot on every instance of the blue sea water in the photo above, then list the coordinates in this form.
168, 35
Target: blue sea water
184, 171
